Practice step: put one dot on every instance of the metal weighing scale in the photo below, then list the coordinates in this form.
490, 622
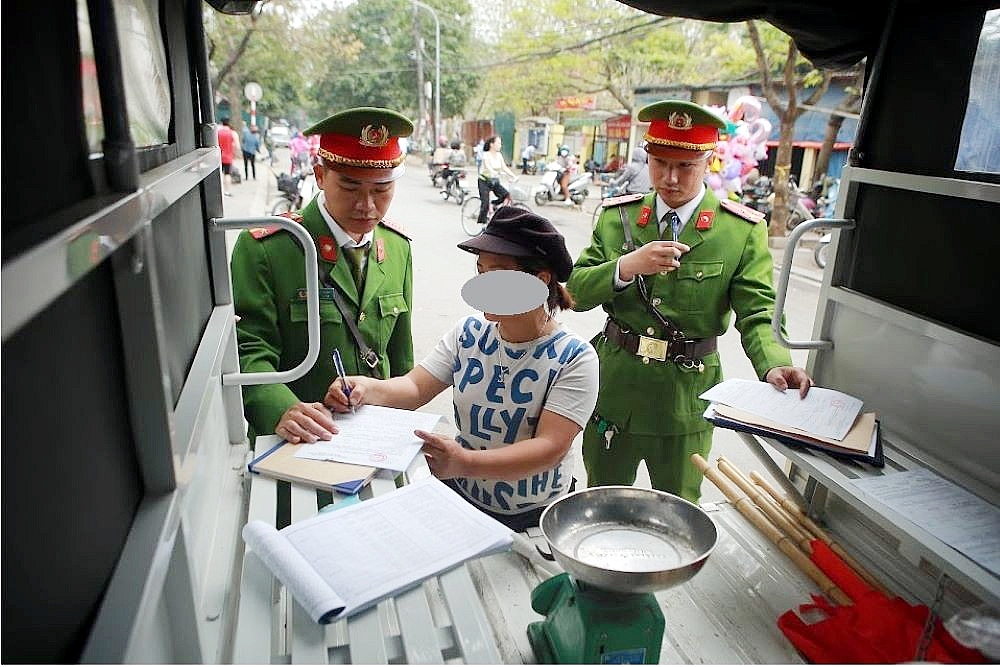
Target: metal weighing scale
617, 544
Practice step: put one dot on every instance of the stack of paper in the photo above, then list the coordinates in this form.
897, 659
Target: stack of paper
825, 419
338, 563
374, 437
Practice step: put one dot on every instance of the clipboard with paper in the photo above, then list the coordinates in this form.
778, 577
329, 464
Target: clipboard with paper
825, 420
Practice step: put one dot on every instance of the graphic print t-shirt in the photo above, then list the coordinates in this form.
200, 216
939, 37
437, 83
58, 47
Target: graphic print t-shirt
499, 394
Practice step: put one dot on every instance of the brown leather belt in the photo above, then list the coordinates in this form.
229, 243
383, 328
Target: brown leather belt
692, 349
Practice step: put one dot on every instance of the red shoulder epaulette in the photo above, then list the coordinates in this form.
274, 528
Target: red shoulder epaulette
263, 232
742, 210
396, 227
623, 199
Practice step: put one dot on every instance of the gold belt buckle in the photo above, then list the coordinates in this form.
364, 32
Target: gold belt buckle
652, 348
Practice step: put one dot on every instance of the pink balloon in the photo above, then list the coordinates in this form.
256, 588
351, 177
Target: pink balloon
714, 181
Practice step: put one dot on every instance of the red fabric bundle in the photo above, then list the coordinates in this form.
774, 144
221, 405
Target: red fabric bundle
875, 629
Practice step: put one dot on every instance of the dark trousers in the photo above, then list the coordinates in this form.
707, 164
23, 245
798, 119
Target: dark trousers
251, 160
486, 186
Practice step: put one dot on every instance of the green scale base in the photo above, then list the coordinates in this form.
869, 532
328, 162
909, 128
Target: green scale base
587, 625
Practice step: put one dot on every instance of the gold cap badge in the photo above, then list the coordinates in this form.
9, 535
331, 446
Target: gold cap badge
679, 120
375, 137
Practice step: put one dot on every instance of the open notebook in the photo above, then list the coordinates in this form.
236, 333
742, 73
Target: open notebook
338, 563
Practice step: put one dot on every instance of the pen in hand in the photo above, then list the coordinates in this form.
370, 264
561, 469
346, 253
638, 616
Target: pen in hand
338, 365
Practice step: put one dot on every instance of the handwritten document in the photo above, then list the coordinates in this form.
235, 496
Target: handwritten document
957, 517
374, 436
823, 412
341, 562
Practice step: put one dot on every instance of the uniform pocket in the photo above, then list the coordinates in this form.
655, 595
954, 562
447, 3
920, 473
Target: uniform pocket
328, 312
391, 305
696, 283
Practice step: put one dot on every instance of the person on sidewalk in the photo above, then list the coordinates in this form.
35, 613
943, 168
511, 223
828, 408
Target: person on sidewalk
366, 276
670, 268
227, 146
250, 143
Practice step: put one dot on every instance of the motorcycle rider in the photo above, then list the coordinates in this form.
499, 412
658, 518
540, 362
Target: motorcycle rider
635, 175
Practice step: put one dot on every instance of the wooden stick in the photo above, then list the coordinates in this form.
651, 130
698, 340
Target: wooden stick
790, 528
747, 508
811, 526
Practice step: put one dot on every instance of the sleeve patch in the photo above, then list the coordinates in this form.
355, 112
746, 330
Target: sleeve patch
742, 211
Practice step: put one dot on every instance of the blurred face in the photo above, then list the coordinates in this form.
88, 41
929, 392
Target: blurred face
677, 174
495, 146
357, 198
489, 261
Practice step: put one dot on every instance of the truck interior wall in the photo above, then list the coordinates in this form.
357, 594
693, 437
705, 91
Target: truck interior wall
184, 284
43, 140
71, 480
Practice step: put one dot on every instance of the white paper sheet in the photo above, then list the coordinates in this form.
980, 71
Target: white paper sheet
824, 412
957, 517
374, 436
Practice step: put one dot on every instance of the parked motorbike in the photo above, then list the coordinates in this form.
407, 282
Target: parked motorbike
548, 190
295, 190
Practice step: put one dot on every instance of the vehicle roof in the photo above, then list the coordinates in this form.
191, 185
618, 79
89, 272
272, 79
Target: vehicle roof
830, 34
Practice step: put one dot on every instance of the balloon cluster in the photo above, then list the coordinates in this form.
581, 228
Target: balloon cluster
736, 156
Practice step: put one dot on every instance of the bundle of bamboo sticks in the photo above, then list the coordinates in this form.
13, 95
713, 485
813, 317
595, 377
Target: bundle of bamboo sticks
783, 522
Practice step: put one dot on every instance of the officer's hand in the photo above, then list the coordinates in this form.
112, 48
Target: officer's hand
336, 398
445, 457
306, 422
783, 377
655, 257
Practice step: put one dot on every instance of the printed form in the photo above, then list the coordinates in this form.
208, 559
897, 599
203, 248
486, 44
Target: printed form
824, 412
957, 517
374, 436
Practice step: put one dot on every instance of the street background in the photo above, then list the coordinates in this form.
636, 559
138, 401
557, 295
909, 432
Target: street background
440, 270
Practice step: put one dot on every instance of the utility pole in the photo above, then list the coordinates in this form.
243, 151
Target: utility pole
418, 42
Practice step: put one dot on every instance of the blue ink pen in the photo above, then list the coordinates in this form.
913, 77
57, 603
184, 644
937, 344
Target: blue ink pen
338, 364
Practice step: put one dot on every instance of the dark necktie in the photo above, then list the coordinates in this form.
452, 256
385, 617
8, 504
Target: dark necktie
675, 224
357, 258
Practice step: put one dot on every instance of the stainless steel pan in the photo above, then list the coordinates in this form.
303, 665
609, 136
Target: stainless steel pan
628, 540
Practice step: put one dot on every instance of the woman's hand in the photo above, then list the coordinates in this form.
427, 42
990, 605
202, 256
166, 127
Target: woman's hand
306, 422
337, 399
445, 457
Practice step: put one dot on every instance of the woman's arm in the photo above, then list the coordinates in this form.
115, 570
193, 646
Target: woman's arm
409, 391
553, 438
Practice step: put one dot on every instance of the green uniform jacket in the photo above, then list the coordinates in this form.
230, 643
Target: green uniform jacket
728, 269
269, 297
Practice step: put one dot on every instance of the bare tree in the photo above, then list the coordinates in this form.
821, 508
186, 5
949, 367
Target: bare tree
787, 111
851, 104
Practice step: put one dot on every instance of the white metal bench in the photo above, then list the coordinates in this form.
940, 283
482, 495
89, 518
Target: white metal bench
442, 620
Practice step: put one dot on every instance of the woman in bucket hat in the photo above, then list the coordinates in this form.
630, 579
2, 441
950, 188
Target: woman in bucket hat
523, 386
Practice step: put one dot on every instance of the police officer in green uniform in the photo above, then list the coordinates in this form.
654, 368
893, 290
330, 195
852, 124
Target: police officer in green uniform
669, 268
362, 257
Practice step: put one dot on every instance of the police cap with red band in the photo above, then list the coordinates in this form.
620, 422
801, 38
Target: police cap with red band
366, 137
679, 124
